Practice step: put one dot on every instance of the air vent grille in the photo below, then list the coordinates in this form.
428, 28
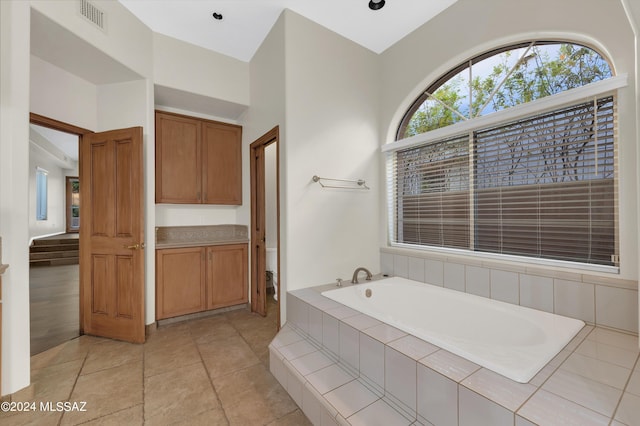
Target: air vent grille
93, 14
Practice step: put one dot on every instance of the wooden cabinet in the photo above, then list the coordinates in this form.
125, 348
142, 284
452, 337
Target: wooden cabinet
196, 279
227, 275
180, 281
197, 161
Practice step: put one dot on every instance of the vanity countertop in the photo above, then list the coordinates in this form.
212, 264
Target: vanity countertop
195, 236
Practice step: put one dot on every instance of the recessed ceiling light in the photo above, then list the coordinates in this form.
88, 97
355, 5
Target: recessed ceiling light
376, 4
218, 16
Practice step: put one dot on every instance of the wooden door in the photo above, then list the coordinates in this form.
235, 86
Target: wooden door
180, 281
258, 232
178, 162
226, 275
222, 163
112, 235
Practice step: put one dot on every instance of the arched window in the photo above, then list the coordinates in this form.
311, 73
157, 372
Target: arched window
512, 153
500, 79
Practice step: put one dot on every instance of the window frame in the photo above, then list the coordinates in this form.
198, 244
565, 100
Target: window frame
559, 100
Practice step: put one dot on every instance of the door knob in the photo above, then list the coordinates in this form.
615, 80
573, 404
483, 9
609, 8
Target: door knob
135, 246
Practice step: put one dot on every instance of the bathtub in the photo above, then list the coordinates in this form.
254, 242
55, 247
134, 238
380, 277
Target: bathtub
510, 340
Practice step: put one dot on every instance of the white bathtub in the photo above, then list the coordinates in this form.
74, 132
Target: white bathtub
511, 340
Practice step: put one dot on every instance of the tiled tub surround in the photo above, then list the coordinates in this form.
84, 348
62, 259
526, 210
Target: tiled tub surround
510, 340
599, 300
343, 367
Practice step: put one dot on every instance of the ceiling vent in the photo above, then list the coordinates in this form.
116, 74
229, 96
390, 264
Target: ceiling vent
94, 15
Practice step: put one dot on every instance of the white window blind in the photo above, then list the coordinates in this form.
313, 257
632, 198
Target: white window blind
542, 186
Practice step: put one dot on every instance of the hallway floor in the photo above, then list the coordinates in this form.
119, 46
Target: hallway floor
211, 371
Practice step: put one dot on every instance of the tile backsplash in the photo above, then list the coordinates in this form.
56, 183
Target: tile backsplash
602, 301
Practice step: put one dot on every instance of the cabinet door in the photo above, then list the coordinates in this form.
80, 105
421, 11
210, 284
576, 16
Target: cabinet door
226, 275
180, 281
222, 163
178, 161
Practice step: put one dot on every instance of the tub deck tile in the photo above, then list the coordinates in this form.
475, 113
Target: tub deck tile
499, 389
450, 365
361, 321
586, 392
413, 347
546, 408
378, 413
384, 333
594, 380
351, 398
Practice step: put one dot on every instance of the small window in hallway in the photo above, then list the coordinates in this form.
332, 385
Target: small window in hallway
41, 194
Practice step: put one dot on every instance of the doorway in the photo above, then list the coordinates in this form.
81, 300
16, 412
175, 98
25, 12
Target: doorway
54, 284
265, 223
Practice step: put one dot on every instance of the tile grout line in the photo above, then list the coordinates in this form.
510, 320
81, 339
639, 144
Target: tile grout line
624, 390
204, 365
75, 382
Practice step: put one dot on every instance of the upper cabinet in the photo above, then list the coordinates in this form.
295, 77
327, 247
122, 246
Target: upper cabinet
197, 161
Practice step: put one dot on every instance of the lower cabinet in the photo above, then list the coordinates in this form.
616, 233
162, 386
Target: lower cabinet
196, 279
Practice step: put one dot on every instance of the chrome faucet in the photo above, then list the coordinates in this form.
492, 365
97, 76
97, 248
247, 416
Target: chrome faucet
354, 279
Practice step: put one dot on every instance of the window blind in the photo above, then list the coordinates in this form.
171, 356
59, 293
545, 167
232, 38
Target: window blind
543, 186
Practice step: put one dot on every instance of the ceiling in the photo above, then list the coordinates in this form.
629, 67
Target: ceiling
246, 23
65, 142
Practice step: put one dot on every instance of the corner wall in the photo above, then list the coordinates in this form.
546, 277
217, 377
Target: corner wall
332, 100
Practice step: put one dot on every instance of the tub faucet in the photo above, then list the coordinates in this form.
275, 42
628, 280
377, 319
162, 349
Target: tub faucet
354, 279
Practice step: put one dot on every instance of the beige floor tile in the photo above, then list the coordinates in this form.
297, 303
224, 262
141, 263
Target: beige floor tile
212, 330
296, 418
246, 382
56, 382
254, 410
36, 418
172, 357
106, 392
207, 418
225, 357
111, 353
130, 416
178, 394
70, 351
168, 336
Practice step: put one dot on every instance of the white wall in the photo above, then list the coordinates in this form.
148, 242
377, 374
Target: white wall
267, 110
190, 68
491, 23
56, 194
126, 39
57, 93
14, 190
332, 131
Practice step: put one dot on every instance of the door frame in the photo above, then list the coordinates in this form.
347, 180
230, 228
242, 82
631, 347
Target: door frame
51, 123
257, 206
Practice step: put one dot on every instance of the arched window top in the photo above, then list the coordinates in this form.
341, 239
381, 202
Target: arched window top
500, 79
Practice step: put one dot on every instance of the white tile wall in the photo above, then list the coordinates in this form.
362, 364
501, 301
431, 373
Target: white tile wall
416, 269
434, 272
536, 292
599, 304
400, 378
372, 360
315, 324
401, 266
574, 299
437, 398
454, 276
505, 286
475, 410
331, 334
617, 308
477, 281
350, 346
